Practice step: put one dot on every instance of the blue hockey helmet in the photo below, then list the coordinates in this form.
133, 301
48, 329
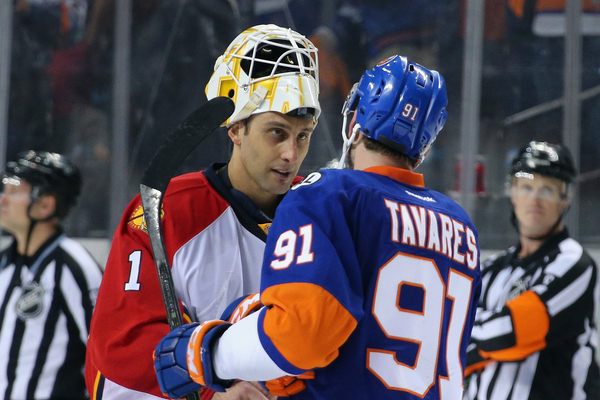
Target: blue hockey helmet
401, 104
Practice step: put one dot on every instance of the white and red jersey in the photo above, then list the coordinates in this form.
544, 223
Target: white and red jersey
214, 243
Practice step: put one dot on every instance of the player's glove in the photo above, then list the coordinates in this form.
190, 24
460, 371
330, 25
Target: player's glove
288, 385
170, 363
199, 355
179, 374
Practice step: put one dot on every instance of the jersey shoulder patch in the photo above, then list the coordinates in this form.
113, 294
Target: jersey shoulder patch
311, 179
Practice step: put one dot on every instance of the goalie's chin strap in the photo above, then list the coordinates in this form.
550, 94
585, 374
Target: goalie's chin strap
257, 97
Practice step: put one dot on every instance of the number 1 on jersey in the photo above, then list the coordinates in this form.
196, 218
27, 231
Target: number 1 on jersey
135, 258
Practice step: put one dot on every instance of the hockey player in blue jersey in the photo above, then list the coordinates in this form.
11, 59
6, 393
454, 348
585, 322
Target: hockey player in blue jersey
370, 280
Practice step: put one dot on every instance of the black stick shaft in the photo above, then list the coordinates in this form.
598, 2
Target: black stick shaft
193, 130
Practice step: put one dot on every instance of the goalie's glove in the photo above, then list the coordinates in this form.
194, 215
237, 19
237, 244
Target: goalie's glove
177, 375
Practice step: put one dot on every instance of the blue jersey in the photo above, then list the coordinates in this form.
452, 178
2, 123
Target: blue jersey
371, 280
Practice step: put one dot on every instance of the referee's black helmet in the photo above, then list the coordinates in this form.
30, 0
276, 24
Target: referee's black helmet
546, 159
48, 174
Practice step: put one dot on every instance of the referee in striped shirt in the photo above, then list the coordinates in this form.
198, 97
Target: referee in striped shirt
536, 336
48, 282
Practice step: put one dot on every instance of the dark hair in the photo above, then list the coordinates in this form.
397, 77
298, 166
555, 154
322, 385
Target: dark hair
378, 147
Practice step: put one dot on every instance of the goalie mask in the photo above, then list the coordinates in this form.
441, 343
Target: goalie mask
268, 68
400, 104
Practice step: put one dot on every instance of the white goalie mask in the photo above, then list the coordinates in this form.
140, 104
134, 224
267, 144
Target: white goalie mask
268, 68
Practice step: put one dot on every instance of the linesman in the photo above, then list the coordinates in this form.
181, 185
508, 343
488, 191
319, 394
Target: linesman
48, 282
536, 336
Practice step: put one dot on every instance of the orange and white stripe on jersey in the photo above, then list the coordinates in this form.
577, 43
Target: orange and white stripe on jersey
308, 315
530, 323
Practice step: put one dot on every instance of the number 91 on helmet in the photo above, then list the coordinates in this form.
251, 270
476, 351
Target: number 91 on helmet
268, 68
401, 104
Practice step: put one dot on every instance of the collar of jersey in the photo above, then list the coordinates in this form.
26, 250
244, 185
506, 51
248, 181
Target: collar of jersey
400, 174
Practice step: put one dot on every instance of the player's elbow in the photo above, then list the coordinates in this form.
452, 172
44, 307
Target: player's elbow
306, 324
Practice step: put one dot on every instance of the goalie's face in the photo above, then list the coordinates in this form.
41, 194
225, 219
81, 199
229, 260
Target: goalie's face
268, 151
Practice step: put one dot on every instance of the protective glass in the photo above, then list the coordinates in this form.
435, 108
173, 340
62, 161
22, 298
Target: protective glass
350, 103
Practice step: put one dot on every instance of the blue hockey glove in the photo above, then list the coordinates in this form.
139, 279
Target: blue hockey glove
183, 359
170, 363
199, 355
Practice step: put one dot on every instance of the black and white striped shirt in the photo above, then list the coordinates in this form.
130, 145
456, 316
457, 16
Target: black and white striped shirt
536, 335
46, 304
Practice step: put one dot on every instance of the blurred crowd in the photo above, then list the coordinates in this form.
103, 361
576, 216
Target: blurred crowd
62, 69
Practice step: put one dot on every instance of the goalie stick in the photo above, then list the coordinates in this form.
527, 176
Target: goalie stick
193, 130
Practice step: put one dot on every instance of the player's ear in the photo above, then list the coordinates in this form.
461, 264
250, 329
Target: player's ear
235, 132
351, 125
566, 201
44, 207
360, 138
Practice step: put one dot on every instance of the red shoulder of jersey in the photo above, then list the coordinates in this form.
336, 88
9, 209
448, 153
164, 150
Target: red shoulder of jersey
129, 317
190, 204
297, 179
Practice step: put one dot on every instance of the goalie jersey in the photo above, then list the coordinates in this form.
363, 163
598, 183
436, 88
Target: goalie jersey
371, 280
214, 244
